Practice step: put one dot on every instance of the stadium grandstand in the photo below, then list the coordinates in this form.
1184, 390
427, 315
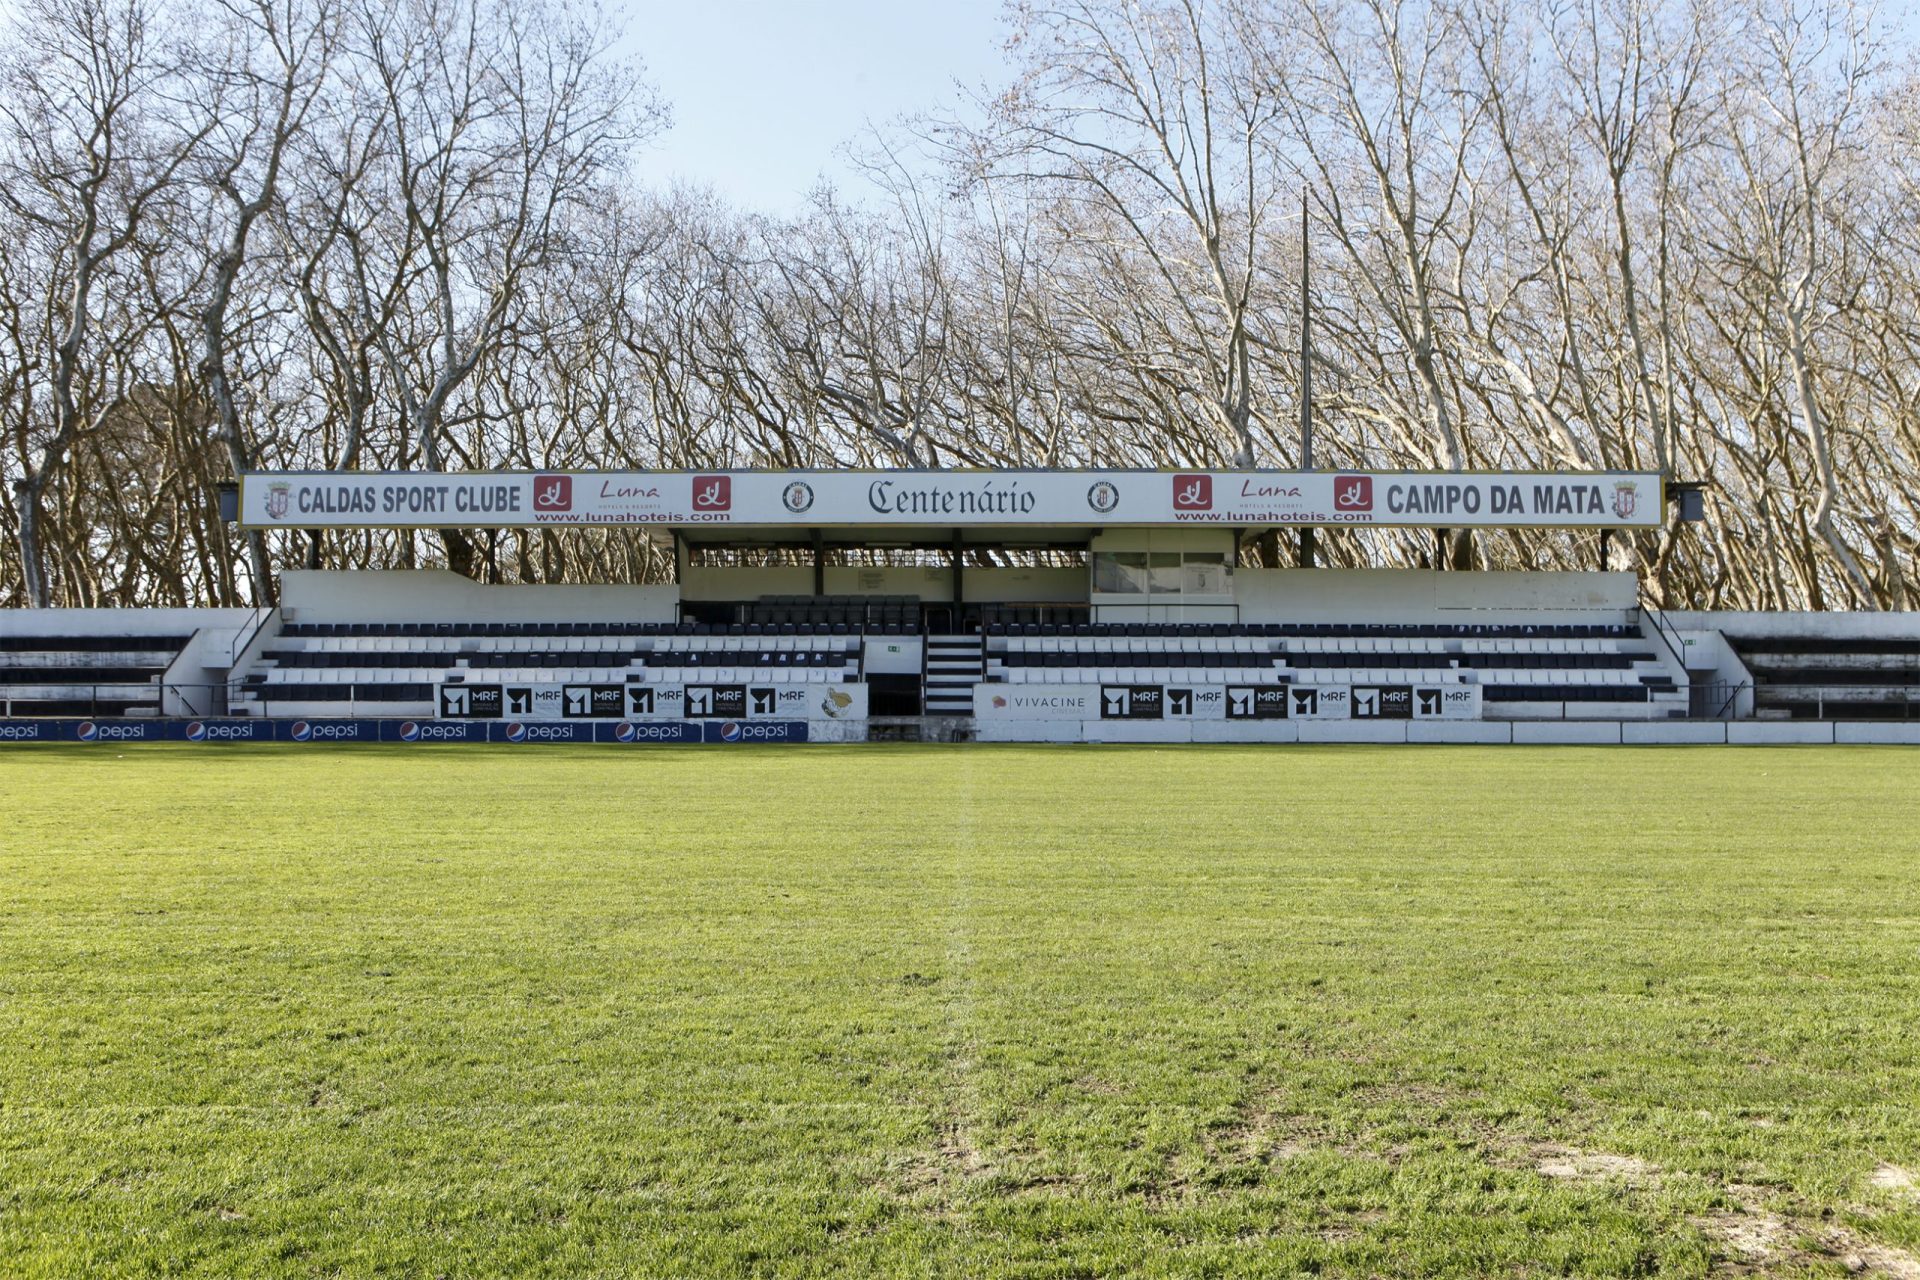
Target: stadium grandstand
958, 605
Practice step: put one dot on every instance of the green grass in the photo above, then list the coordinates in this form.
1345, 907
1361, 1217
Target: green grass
978, 1011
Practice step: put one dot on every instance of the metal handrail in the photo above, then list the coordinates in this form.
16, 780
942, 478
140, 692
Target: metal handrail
1668, 634
240, 645
1725, 707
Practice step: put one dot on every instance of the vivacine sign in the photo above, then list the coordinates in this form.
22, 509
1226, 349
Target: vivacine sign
811, 499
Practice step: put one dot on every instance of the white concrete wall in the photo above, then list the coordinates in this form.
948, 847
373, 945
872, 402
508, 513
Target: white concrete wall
437, 595
709, 583
1041, 586
928, 582
932, 584
1810, 626
1709, 651
1866, 732
1777, 733
1458, 732
196, 682
1423, 595
116, 622
1165, 612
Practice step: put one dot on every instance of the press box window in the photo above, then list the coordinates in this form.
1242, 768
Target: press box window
1120, 573
1164, 573
1204, 574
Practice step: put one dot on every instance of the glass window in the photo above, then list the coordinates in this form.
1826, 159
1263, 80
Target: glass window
1121, 573
1205, 574
1164, 573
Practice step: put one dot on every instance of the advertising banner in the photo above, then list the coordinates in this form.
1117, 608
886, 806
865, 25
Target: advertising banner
1035, 702
521, 732
435, 731
750, 731
539, 703
412, 732
647, 732
811, 499
999, 703
333, 730
225, 730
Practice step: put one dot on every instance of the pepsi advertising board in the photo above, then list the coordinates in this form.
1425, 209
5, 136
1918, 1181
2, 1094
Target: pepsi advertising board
640, 733
227, 731
417, 731
752, 731
333, 731
407, 732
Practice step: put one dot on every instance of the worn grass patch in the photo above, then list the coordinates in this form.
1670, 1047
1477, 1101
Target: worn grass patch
475, 1011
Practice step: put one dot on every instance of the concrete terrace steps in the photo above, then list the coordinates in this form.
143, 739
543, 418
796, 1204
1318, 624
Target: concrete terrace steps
953, 665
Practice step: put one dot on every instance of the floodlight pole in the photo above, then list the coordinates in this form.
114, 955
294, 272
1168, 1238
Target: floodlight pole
1306, 377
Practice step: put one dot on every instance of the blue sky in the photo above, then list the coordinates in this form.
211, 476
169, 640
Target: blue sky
765, 92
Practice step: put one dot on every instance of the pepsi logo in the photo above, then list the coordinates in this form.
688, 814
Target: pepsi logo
730, 731
301, 731
623, 733
196, 732
409, 732
87, 732
516, 733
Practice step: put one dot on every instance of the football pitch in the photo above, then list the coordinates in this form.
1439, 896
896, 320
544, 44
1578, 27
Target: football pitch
985, 1011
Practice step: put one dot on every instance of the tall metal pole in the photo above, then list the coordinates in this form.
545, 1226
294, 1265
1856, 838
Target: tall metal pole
1306, 377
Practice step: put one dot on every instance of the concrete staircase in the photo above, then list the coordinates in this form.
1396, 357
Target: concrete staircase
954, 664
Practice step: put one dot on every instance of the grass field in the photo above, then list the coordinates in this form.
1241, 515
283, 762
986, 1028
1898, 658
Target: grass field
939, 1012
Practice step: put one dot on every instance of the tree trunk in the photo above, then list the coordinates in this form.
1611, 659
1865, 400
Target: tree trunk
33, 569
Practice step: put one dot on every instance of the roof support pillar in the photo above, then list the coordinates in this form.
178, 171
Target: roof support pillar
957, 556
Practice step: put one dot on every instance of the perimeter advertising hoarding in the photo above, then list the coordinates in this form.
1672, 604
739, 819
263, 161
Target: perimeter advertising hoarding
1074, 702
410, 732
545, 703
812, 499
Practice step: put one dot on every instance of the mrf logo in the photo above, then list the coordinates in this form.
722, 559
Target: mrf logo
470, 702
1382, 702
1306, 702
716, 701
553, 493
1257, 702
1193, 493
1353, 493
593, 701
712, 493
1131, 702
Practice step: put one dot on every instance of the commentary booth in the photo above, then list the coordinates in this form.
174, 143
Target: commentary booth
1014, 605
